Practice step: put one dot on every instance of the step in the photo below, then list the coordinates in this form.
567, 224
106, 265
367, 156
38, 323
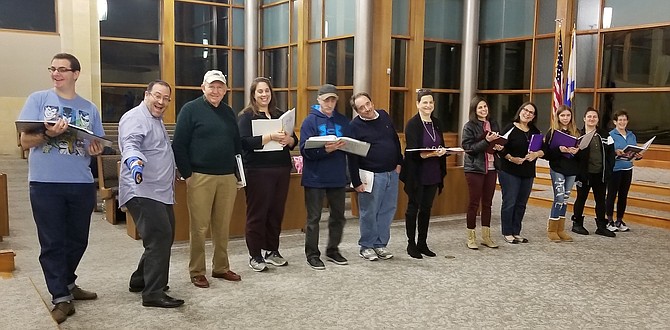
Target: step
632, 216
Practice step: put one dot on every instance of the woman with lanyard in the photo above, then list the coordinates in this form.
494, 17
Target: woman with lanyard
422, 172
596, 164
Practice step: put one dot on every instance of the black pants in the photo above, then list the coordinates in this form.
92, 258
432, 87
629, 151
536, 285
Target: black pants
594, 181
618, 184
418, 208
155, 224
266, 192
314, 203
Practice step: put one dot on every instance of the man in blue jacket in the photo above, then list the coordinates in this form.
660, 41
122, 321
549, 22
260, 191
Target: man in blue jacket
324, 175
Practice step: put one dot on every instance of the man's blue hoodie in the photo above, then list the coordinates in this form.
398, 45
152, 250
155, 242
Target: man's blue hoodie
322, 169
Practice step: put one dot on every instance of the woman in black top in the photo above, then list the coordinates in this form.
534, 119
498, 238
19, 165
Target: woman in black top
423, 172
480, 173
268, 174
563, 169
517, 171
596, 164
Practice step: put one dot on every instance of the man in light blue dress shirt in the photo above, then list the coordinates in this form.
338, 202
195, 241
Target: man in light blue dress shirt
146, 188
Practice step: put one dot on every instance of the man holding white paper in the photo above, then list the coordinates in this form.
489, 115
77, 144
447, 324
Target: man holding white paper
378, 197
324, 176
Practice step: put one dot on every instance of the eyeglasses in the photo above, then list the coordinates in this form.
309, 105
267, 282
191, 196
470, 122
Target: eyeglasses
529, 111
59, 69
160, 97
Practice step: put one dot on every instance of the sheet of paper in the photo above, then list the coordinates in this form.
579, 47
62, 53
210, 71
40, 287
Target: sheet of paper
367, 178
240, 171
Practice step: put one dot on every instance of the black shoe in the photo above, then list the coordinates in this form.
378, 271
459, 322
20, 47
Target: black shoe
413, 251
605, 232
578, 225
316, 263
579, 229
425, 250
337, 258
141, 288
163, 302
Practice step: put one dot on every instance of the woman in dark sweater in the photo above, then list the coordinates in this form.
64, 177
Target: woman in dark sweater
423, 172
596, 165
517, 171
268, 174
480, 173
563, 169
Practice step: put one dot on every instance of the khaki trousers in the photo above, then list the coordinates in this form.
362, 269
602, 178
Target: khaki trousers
210, 204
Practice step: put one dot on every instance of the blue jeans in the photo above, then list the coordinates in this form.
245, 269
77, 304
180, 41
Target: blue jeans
562, 188
515, 193
376, 210
62, 213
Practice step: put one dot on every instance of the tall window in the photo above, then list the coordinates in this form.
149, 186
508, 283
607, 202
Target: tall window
28, 15
623, 63
129, 54
442, 59
279, 49
516, 56
400, 36
134, 48
332, 24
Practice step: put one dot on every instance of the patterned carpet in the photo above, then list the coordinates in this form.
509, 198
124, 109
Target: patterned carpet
595, 282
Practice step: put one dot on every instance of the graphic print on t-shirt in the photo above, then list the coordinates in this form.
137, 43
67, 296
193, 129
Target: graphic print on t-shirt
67, 143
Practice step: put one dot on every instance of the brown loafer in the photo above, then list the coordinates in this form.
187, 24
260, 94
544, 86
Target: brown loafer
228, 276
61, 311
81, 294
200, 281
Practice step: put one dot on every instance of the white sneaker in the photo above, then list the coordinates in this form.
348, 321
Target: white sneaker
621, 225
275, 259
368, 254
257, 264
611, 226
383, 253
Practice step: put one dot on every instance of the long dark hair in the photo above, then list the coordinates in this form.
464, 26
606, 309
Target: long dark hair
532, 122
252, 106
473, 108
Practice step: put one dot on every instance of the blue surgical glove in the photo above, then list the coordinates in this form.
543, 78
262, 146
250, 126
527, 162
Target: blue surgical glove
135, 165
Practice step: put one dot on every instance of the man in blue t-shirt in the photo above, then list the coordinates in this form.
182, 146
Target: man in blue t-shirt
62, 192
324, 176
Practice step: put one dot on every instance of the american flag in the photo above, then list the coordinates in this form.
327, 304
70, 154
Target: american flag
558, 79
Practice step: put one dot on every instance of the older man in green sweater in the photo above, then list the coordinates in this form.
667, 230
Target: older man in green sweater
206, 140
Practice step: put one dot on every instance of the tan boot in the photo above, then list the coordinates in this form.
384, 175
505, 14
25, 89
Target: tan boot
561, 230
552, 227
486, 238
472, 240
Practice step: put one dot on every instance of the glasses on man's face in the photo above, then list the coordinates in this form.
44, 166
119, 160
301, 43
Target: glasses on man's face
61, 69
160, 97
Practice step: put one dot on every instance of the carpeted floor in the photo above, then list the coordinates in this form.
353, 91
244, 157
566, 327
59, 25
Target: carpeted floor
595, 282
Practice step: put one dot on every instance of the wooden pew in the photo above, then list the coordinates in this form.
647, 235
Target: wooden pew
295, 213
108, 184
4, 207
